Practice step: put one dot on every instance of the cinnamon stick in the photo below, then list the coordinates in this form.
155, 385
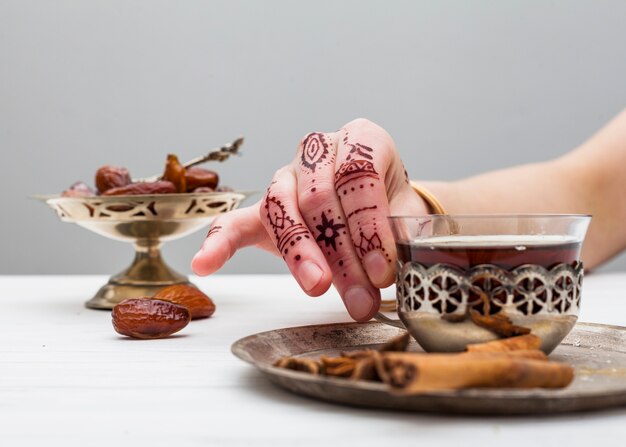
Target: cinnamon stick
397, 344
412, 374
365, 368
498, 323
338, 366
528, 341
299, 364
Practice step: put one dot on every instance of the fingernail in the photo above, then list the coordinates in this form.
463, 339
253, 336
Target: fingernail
377, 267
359, 302
310, 275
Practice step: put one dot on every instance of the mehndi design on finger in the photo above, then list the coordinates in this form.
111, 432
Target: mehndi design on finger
341, 265
328, 231
357, 167
367, 243
315, 151
360, 210
213, 230
360, 149
286, 230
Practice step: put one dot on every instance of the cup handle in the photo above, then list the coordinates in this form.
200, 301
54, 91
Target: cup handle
389, 321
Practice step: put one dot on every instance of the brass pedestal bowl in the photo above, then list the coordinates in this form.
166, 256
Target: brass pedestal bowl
146, 221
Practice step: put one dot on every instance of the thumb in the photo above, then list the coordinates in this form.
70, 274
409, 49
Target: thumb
229, 233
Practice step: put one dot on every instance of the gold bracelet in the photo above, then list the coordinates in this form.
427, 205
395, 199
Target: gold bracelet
435, 205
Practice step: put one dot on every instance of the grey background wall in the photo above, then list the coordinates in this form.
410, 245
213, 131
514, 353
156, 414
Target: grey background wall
462, 86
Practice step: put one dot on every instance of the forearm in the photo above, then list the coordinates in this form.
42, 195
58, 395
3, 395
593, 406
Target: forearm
589, 180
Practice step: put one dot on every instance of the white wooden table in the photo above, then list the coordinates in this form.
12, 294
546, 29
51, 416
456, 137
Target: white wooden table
66, 378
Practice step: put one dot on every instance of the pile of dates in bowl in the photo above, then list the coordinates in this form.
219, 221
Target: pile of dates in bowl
116, 181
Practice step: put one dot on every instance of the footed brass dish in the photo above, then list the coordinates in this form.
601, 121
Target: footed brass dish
146, 221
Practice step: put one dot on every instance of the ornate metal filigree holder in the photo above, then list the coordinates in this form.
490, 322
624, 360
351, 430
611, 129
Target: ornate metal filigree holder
146, 221
436, 304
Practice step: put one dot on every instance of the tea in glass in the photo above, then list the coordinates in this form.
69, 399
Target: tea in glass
470, 279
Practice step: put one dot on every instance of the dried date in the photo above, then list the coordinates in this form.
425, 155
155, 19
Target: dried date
160, 187
78, 189
199, 304
109, 177
203, 189
199, 177
175, 173
149, 318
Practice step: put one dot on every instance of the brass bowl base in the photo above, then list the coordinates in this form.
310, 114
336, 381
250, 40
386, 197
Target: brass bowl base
146, 275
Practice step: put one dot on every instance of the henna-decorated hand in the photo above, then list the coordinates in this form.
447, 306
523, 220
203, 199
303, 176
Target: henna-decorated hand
326, 215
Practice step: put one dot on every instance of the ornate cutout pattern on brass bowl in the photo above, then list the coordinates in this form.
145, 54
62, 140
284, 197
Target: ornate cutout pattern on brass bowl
146, 207
446, 308
526, 290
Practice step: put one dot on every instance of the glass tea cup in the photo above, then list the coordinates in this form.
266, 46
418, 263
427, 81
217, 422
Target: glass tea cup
465, 279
